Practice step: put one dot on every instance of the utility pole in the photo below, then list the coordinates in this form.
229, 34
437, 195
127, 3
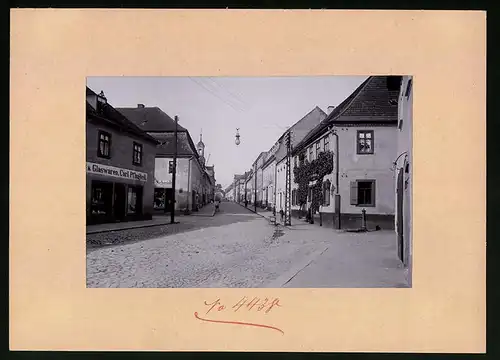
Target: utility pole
246, 174
255, 189
288, 187
174, 173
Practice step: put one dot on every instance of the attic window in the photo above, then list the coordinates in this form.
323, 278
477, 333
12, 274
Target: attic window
393, 83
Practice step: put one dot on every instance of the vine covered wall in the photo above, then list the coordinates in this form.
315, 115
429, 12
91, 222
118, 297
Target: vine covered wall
314, 171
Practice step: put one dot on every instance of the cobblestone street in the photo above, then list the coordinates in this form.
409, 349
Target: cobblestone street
236, 248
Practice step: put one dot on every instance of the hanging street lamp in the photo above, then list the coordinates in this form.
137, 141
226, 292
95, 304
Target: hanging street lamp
237, 141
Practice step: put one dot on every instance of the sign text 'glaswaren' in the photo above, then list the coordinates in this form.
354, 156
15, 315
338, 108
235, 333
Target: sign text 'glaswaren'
106, 170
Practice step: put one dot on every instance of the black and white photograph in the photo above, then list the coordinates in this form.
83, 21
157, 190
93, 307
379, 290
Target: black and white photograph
249, 182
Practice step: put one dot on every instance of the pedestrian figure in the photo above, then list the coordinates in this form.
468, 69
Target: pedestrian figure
282, 213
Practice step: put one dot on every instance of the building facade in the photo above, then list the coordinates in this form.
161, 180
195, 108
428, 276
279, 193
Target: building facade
228, 193
239, 188
120, 165
193, 185
297, 133
365, 126
258, 181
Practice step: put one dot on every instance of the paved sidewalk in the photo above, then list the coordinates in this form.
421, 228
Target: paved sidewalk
208, 210
345, 260
156, 221
262, 212
296, 222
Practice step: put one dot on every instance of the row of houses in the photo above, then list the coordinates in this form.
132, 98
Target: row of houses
130, 162
354, 159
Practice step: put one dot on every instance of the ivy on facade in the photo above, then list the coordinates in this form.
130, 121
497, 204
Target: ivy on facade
314, 171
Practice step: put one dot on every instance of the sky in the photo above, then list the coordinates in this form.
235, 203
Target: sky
261, 107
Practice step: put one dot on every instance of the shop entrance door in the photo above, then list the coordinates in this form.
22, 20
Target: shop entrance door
120, 201
169, 197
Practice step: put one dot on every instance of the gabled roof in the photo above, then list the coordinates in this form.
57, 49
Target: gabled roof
268, 161
297, 139
110, 115
371, 103
185, 146
151, 119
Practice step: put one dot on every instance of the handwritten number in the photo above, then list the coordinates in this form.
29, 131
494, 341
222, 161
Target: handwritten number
240, 303
276, 302
263, 305
252, 303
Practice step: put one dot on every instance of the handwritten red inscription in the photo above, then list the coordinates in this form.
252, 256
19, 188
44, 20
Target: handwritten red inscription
256, 304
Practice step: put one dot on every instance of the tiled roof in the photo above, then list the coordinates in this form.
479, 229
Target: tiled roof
166, 145
313, 115
374, 101
151, 119
110, 114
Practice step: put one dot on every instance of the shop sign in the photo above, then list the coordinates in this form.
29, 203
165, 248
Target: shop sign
93, 168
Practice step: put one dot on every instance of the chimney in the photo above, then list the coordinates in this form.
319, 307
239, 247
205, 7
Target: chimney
330, 109
140, 106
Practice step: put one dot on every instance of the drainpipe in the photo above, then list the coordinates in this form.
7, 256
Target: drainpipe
333, 131
337, 195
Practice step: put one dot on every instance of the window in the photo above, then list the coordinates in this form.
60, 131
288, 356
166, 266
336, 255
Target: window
137, 154
132, 201
363, 193
327, 144
365, 142
159, 198
311, 153
318, 149
302, 157
104, 144
101, 198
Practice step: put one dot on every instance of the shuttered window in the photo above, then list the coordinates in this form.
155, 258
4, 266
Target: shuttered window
326, 193
363, 193
354, 193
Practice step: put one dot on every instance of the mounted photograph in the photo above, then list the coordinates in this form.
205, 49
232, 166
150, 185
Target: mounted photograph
249, 182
